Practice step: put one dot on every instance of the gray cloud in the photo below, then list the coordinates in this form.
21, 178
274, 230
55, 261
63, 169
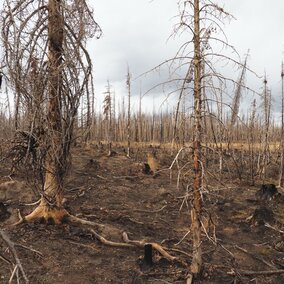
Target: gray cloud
135, 32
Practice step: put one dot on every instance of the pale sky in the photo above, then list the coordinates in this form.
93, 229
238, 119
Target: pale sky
136, 32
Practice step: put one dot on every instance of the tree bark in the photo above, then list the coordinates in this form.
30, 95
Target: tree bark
50, 208
128, 112
196, 210
54, 162
281, 170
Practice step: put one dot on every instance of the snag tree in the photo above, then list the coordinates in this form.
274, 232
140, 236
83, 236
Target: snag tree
50, 70
201, 23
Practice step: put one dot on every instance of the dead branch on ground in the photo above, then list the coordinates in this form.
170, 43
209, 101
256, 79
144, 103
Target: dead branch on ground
155, 246
18, 265
249, 273
256, 257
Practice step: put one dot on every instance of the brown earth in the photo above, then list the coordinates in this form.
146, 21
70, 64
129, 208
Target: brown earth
113, 191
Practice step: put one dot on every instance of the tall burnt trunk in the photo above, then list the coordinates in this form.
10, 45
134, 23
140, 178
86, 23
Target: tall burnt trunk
54, 161
197, 206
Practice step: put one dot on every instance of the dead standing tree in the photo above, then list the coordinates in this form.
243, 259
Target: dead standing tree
108, 114
128, 84
281, 169
263, 163
201, 19
55, 50
196, 209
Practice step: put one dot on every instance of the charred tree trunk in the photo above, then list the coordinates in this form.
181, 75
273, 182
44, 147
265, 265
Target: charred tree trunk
197, 206
17, 106
54, 170
43, 79
128, 113
50, 208
281, 171
266, 151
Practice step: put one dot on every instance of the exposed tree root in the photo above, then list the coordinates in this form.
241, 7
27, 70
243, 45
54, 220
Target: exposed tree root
155, 246
110, 243
45, 213
54, 215
78, 221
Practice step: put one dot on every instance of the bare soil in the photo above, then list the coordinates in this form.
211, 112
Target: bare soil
114, 191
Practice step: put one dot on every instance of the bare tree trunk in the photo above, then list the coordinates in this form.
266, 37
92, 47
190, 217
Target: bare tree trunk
108, 117
17, 106
266, 151
50, 207
162, 135
281, 170
252, 143
54, 172
55, 92
128, 115
140, 123
196, 263
113, 118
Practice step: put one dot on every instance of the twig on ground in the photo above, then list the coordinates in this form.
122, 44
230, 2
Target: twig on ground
21, 219
109, 243
101, 177
83, 245
182, 238
248, 272
74, 219
75, 188
181, 251
5, 259
206, 233
125, 177
225, 249
13, 274
11, 245
256, 257
273, 228
150, 211
133, 220
31, 204
31, 249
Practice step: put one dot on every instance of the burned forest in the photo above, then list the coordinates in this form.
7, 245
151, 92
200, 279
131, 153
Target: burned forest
113, 186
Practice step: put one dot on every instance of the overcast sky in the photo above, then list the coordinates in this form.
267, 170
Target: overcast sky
135, 32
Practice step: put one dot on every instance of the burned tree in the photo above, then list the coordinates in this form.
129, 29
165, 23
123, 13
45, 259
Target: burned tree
281, 170
198, 59
50, 70
128, 84
265, 135
108, 114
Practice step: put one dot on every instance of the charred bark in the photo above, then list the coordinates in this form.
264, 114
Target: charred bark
197, 206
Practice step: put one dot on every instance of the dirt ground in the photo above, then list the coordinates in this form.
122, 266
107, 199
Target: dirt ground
114, 192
